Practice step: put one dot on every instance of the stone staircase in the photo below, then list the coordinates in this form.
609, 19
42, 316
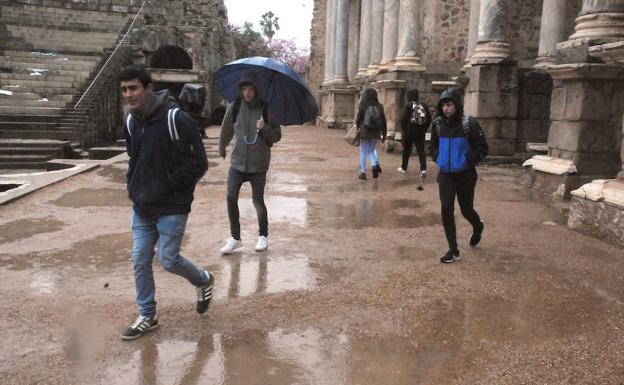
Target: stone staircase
41, 78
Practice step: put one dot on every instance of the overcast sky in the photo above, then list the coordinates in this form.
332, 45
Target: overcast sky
295, 16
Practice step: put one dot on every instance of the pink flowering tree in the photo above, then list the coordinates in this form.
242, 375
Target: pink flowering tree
286, 51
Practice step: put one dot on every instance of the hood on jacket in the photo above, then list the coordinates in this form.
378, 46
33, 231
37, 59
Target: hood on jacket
454, 95
367, 98
412, 95
250, 77
153, 103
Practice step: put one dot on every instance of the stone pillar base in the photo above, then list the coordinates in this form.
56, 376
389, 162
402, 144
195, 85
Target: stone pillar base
407, 63
598, 210
491, 52
337, 106
389, 93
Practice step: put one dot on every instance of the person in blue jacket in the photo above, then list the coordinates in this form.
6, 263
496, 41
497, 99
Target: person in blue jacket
457, 146
167, 159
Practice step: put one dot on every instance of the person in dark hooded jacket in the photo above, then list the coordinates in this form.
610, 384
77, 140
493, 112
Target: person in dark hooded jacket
371, 121
415, 119
250, 120
457, 146
167, 159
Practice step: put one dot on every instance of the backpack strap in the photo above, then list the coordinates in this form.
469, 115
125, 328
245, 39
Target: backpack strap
128, 120
171, 123
466, 124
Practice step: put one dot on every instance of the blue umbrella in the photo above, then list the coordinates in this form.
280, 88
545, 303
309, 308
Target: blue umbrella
287, 94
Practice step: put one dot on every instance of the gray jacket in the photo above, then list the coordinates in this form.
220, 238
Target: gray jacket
246, 155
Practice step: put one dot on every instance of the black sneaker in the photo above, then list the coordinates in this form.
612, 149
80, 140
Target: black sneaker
378, 168
450, 256
475, 238
141, 325
204, 294
375, 172
362, 176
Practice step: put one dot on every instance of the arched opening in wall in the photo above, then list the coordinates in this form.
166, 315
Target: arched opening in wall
170, 57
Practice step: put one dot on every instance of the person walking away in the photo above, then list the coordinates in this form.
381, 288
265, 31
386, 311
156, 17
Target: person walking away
371, 121
457, 146
167, 159
415, 120
250, 120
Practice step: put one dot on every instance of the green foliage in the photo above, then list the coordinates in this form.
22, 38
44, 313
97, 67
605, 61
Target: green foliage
269, 24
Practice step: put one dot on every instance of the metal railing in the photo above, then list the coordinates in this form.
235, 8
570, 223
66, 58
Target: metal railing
95, 108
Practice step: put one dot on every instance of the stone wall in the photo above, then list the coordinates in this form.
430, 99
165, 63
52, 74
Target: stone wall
123, 6
534, 90
444, 31
317, 46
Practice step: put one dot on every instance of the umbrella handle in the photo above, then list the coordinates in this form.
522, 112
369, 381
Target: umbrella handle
254, 140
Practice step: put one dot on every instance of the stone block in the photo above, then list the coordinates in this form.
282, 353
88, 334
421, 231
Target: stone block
533, 130
495, 105
558, 103
492, 128
502, 147
492, 78
597, 219
509, 129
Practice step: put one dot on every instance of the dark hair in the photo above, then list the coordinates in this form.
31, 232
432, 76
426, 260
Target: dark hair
368, 97
135, 71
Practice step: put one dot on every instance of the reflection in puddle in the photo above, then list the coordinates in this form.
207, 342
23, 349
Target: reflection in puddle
285, 182
241, 278
93, 197
355, 187
281, 209
114, 173
26, 228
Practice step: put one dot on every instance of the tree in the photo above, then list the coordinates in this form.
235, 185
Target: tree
269, 24
248, 42
288, 53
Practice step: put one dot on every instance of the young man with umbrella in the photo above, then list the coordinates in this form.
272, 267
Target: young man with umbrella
457, 146
248, 119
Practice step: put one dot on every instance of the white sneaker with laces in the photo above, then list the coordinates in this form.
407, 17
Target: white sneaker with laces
231, 245
400, 169
423, 174
263, 243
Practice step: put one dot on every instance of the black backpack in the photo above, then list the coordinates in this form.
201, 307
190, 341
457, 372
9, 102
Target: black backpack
372, 118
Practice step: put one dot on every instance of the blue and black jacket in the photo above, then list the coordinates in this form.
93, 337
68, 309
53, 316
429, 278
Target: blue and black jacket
457, 143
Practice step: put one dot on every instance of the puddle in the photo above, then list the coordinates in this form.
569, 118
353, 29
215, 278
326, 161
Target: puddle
85, 197
380, 213
285, 182
289, 210
363, 186
280, 357
26, 228
8, 186
268, 274
114, 173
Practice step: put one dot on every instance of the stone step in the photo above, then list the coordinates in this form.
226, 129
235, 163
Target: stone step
33, 103
50, 66
63, 14
46, 151
31, 110
66, 24
47, 55
39, 118
45, 60
47, 32
33, 96
47, 76
41, 88
69, 48
34, 143
25, 165
57, 135
29, 125
37, 83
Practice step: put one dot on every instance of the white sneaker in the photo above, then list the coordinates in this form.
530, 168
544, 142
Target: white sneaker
231, 245
400, 169
263, 243
423, 174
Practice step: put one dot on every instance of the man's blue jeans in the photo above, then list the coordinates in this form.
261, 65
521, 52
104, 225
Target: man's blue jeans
168, 230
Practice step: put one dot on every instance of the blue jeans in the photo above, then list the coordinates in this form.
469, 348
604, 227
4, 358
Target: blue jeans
168, 230
367, 148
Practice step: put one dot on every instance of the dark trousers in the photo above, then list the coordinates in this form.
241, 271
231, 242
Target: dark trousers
235, 181
463, 185
419, 141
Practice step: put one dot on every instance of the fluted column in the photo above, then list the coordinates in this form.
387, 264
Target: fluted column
365, 37
330, 40
342, 40
473, 29
390, 33
600, 19
408, 42
551, 32
492, 46
621, 173
377, 23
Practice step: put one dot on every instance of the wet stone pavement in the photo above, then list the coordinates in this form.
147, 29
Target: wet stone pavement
351, 290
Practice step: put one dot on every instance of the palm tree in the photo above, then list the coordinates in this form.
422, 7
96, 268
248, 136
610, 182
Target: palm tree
269, 24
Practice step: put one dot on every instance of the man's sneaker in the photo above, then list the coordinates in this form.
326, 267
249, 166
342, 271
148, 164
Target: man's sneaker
475, 238
231, 245
375, 172
362, 176
262, 244
378, 168
450, 256
141, 325
204, 294
400, 169
423, 174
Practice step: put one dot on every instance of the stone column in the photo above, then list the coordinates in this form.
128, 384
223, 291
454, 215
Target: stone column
407, 56
390, 33
473, 29
365, 38
620, 175
551, 32
600, 19
377, 23
342, 41
330, 40
492, 46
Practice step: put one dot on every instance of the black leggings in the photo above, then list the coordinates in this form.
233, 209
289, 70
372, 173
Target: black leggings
463, 185
419, 141
235, 181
